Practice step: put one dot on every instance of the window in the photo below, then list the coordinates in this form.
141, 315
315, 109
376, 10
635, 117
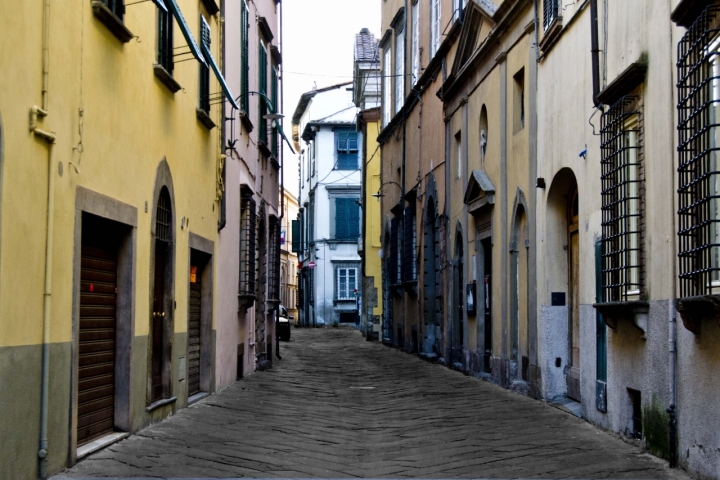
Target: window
621, 201
519, 101
434, 27
117, 7
274, 260
699, 165
346, 141
347, 219
314, 147
245, 60
459, 155
274, 98
415, 53
263, 87
458, 6
409, 269
165, 40
399, 69
204, 69
346, 283
550, 12
395, 254
246, 285
387, 86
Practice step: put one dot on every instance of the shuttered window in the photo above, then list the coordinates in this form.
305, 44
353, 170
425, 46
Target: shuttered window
347, 219
274, 98
409, 269
346, 141
263, 86
434, 27
116, 6
394, 261
204, 69
245, 60
415, 54
165, 40
274, 259
399, 69
550, 12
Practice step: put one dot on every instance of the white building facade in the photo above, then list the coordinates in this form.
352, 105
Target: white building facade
325, 135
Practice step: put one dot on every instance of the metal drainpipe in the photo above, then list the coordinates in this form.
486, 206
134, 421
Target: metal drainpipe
672, 341
402, 181
49, 137
281, 151
595, 50
47, 294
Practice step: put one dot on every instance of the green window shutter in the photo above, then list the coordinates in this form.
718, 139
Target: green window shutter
262, 67
346, 141
295, 240
274, 98
353, 220
245, 61
341, 218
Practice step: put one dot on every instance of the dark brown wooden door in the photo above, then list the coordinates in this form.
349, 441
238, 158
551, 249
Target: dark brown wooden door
158, 321
96, 373
193, 348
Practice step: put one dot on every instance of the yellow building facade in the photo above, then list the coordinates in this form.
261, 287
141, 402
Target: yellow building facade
109, 183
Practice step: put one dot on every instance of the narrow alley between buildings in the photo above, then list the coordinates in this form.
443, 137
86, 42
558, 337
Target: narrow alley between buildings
338, 406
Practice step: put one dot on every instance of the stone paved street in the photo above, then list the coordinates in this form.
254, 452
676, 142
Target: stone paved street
338, 406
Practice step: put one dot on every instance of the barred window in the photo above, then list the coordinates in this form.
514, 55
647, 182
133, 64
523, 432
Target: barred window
274, 259
550, 12
698, 170
622, 186
247, 244
409, 269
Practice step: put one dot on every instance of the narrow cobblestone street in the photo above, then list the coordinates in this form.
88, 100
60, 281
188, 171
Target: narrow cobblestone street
337, 406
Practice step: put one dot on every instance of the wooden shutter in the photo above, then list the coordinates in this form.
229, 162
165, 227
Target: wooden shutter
341, 218
347, 149
353, 220
295, 240
193, 349
262, 85
245, 52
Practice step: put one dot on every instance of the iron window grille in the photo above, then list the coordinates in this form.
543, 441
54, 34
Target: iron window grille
245, 54
550, 12
622, 201
163, 220
117, 7
263, 86
699, 163
204, 69
165, 40
346, 141
274, 260
248, 222
409, 267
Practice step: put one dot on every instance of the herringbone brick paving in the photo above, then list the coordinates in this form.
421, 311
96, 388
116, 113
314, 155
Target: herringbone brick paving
337, 406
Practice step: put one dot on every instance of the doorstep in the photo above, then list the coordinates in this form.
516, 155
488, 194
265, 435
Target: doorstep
100, 443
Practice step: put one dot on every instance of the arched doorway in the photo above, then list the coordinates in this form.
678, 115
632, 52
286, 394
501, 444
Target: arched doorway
519, 245
562, 275
162, 328
430, 270
459, 302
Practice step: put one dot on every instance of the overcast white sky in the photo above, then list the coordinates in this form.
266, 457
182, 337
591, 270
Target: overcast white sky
318, 46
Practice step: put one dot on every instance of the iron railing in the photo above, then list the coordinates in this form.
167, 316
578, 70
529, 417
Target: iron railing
698, 163
163, 218
273, 280
550, 12
622, 195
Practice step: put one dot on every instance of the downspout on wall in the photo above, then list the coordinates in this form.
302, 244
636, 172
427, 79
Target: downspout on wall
595, 51
49, 137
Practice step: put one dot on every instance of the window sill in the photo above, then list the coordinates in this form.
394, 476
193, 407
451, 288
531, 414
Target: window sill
166, 78
633, 310
262, 146
693, 310
111, 21
245, 301
205, 119
160, 403
411, 287
551, 34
